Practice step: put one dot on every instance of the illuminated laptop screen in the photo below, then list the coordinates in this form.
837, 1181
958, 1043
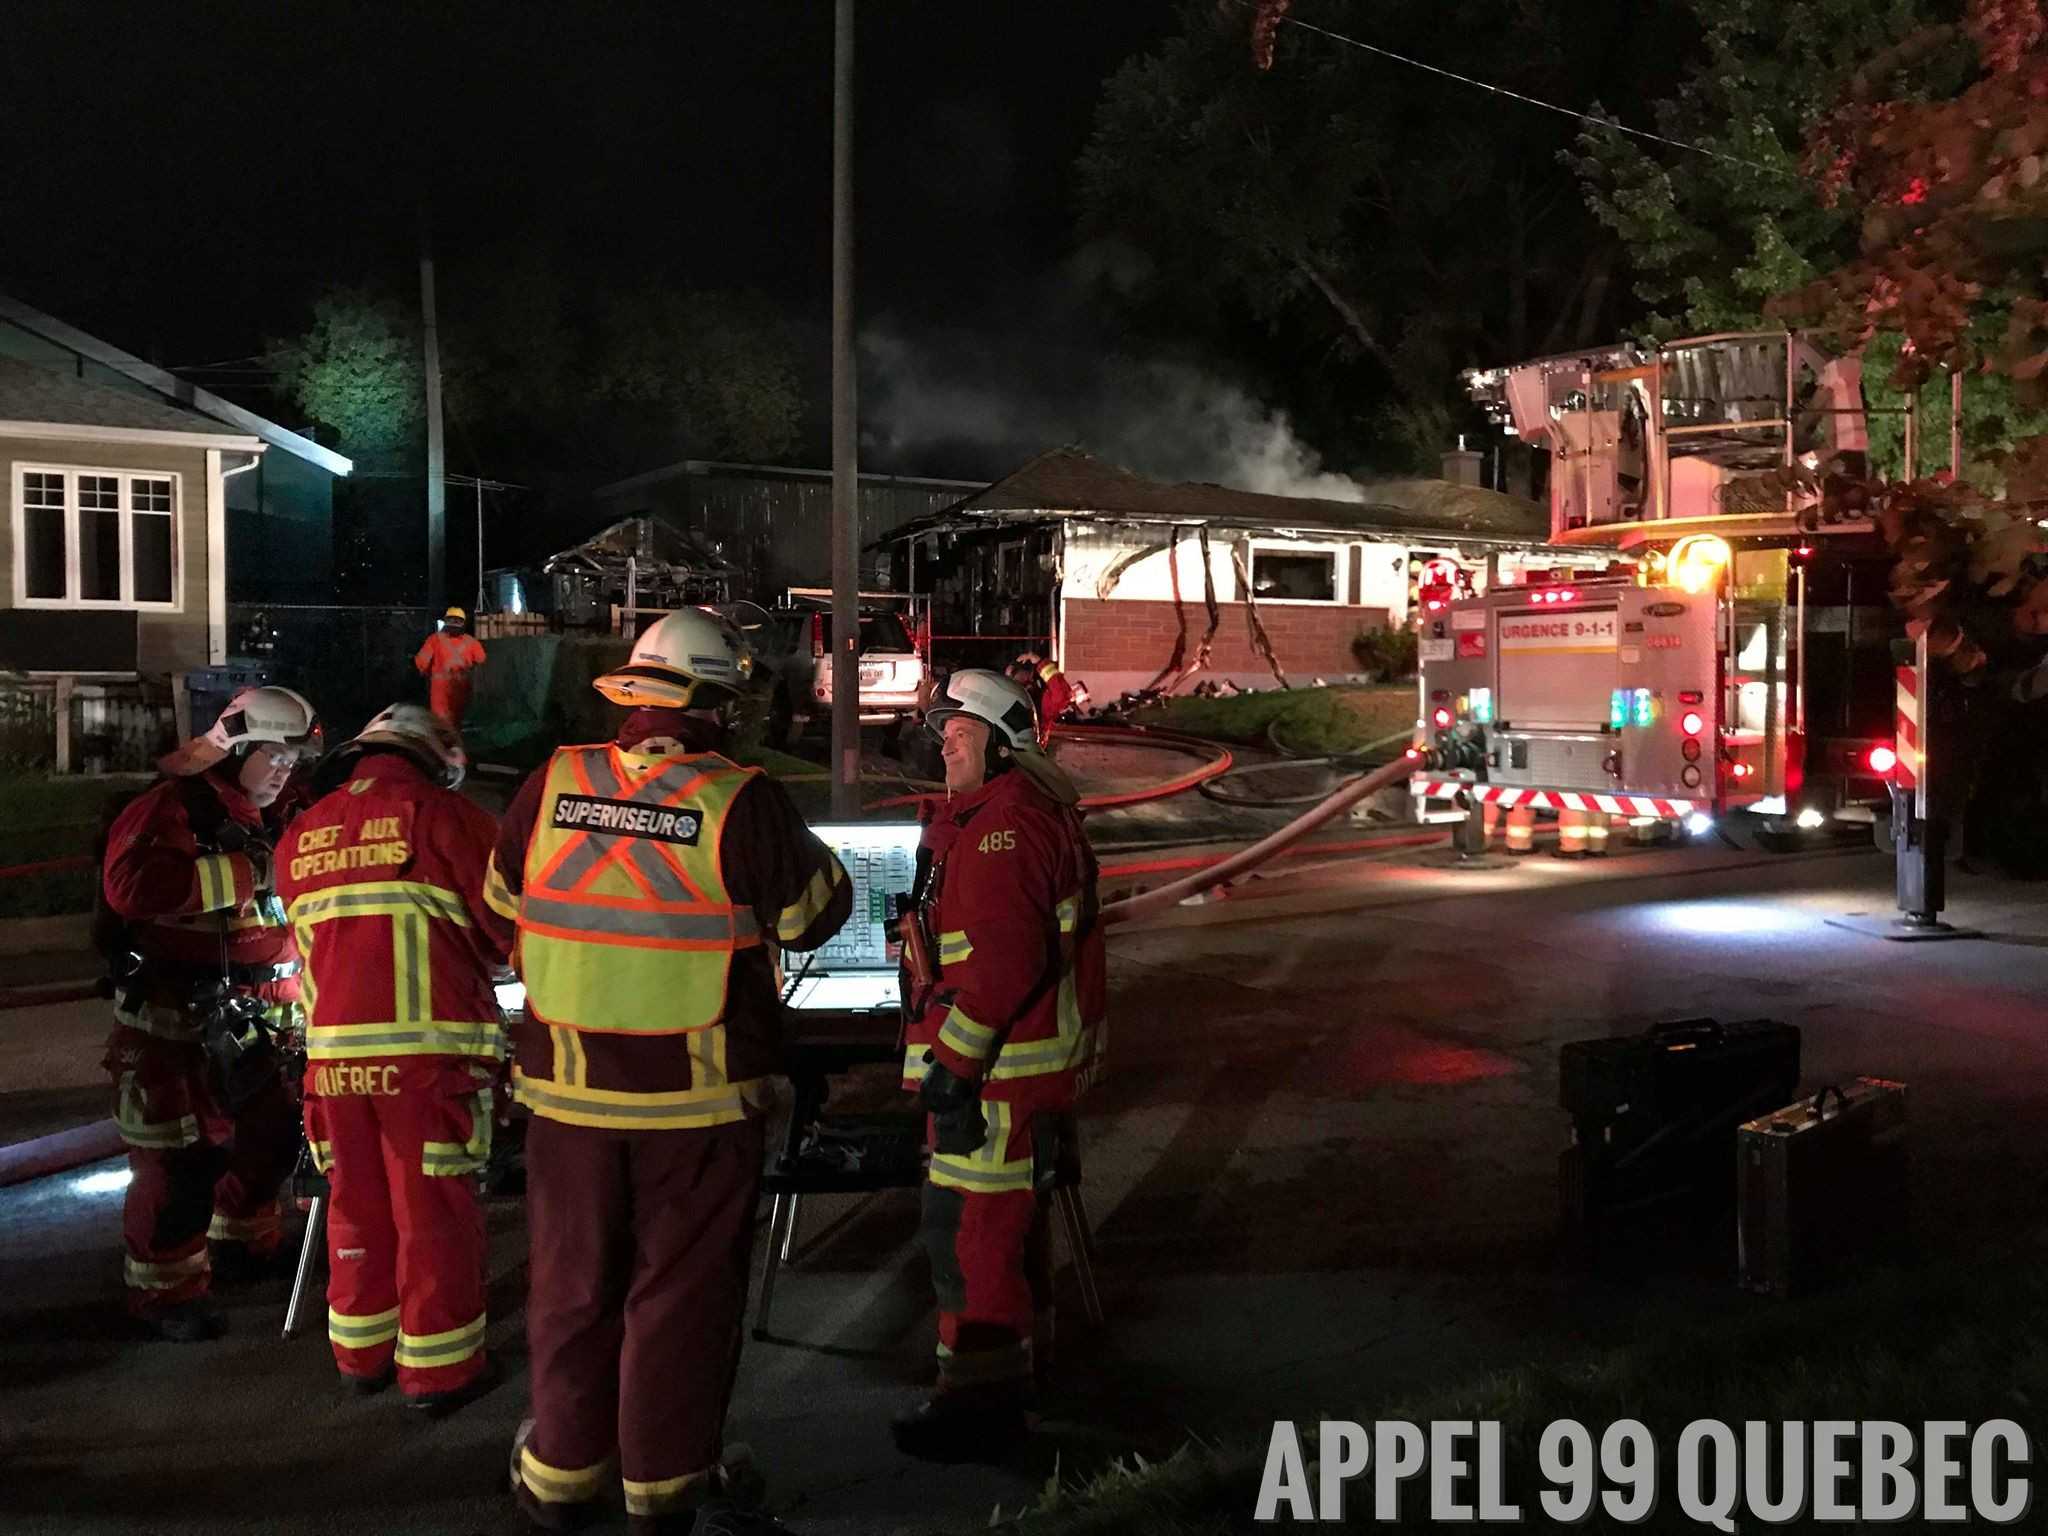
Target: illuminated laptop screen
856, 970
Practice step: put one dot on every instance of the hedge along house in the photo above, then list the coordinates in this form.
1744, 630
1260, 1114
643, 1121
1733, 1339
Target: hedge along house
1108, 571
128, 494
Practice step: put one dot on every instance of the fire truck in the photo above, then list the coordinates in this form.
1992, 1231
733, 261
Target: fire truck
1718, 664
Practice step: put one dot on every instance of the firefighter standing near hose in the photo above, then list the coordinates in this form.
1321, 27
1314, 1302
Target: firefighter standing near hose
204, 974
647, 876
1001, 1042
383, 879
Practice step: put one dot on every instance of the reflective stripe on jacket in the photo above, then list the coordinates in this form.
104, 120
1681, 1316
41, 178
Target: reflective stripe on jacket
624, 900
1019, 1002
383, 880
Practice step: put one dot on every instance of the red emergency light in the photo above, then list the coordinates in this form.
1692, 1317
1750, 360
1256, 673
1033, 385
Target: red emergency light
1443, 719
1882, 761
1692, 724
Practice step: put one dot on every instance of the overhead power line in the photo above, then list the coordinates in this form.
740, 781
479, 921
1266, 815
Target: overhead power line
1548, 106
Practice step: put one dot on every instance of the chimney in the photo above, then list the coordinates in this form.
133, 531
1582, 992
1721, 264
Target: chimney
1462, 464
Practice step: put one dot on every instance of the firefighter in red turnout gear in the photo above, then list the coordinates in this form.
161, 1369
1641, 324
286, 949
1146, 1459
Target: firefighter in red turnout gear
1000, 1046
383, 880
1051, 690
205, 972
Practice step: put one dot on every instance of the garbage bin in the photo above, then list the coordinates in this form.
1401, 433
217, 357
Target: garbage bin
209, 688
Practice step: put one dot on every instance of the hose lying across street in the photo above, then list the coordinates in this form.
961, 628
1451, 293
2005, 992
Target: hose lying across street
1335, 804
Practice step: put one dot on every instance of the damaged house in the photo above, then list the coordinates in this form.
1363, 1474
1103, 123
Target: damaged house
1115, 575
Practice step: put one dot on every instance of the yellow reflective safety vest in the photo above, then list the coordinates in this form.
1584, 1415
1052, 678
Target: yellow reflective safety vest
625, 924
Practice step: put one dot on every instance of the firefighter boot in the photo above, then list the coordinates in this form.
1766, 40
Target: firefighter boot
437, 1405
544, 1516
966, 1424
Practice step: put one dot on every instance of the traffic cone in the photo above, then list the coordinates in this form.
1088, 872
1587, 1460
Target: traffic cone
1597, 828
1521, 829
1571, 834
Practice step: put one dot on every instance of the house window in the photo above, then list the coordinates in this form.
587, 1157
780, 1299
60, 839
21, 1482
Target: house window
1294, 575
95, 538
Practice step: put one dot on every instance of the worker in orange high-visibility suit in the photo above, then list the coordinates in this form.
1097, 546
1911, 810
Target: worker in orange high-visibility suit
383, 879
205, 974
449, 661
649, 877
1001, 1043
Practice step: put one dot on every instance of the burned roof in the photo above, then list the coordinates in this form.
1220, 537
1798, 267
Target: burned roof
646, 537
1066, 483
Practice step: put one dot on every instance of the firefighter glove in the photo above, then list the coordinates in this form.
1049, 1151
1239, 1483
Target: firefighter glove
954, 1104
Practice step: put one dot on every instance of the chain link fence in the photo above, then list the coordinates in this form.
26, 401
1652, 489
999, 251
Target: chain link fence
350, 661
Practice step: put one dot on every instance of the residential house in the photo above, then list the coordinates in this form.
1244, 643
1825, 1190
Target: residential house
1107, 571
128, 494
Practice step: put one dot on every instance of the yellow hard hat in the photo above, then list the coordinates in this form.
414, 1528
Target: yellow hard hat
455, 615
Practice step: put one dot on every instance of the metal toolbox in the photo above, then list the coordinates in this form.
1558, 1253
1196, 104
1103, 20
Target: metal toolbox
1821, 1187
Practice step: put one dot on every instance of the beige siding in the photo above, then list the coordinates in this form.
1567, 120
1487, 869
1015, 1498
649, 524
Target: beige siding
165, 642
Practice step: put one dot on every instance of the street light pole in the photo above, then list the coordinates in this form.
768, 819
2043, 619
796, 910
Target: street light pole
845, 482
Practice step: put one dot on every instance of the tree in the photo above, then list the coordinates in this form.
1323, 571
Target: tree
1715, 232
1382, 226
1952, 240
357, 371
716, 369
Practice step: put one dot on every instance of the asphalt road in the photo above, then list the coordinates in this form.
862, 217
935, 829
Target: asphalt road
1326, 1160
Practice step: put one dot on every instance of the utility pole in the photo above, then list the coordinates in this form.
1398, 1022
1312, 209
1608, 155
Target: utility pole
845, 471
437, 484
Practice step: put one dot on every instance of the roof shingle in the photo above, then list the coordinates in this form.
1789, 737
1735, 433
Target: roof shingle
34, 394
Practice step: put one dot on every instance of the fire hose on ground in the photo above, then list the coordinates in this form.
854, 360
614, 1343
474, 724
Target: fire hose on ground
1335, 804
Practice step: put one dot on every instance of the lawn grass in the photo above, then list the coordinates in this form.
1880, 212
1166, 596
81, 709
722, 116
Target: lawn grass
1964, 1342
1309, 721
48, 817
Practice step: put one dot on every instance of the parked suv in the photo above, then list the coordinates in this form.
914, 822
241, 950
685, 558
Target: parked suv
794, 647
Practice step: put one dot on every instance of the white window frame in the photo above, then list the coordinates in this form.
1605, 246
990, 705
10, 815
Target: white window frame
1340, 571
73, 576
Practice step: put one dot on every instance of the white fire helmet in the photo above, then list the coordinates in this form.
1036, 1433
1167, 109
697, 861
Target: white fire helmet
992, 699
255, 716
688, 660
421, 735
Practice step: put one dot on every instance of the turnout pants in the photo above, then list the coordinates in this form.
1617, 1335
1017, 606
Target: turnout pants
987, 1233
448, 697
637, 1291
400, 1141
198, 1172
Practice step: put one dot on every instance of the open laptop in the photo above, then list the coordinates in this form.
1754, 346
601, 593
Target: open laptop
856, 971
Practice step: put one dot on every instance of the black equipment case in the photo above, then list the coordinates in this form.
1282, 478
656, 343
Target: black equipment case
1654, 1115
1822, 1186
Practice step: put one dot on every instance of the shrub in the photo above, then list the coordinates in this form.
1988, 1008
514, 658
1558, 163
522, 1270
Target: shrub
1387, 655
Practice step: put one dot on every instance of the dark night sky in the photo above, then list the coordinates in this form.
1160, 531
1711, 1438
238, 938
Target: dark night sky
182, 180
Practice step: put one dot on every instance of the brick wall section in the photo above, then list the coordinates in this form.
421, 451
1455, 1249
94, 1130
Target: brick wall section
1131, 635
